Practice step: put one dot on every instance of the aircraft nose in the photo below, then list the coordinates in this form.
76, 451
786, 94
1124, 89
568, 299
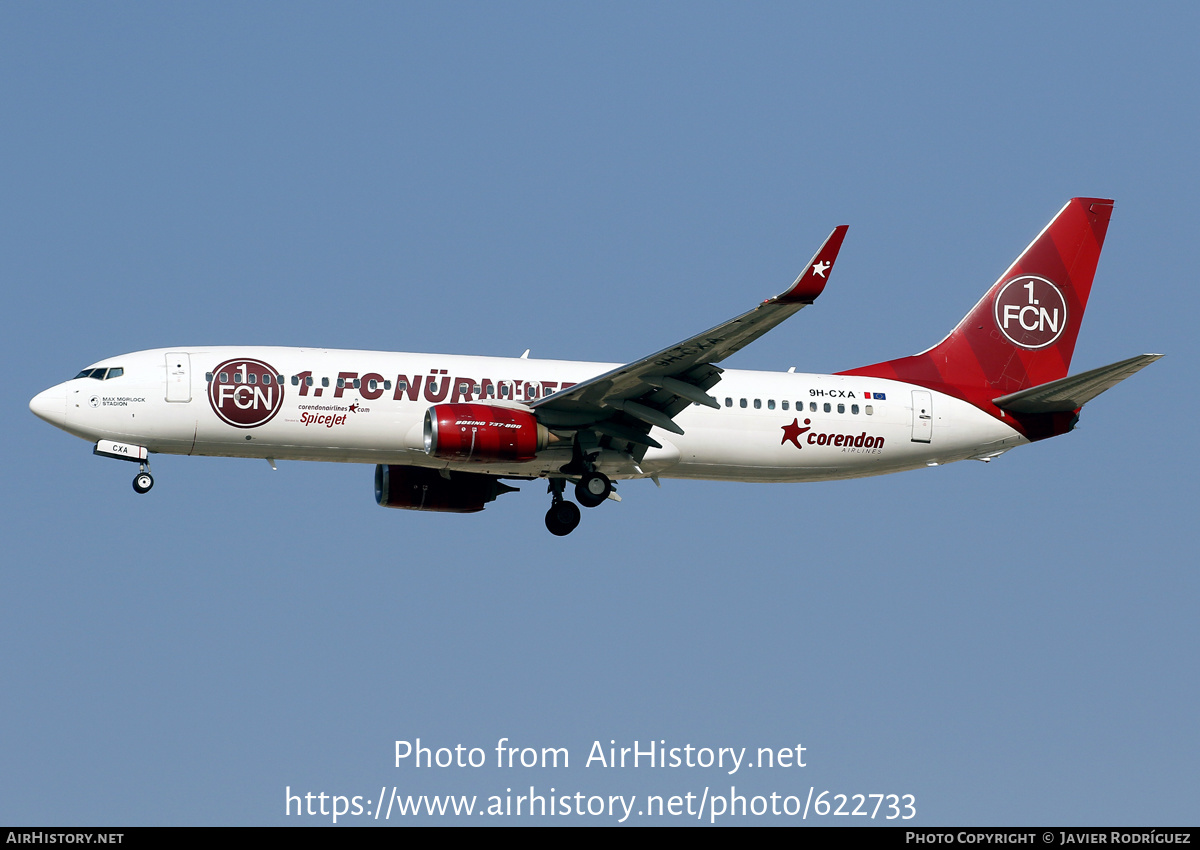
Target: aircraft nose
51, 405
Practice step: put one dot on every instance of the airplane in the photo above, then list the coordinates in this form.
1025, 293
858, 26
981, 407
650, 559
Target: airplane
445, 432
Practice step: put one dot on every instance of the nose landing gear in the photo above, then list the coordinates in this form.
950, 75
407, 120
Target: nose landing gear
143, 481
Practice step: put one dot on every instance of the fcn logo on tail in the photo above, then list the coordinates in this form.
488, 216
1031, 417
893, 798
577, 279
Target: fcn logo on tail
1031, 311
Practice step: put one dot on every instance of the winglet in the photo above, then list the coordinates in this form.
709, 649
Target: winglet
812, 280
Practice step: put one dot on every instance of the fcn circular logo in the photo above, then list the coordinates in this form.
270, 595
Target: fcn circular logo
245, 393
1030, 311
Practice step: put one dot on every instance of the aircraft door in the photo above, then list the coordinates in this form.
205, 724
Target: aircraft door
922, 423
179, 376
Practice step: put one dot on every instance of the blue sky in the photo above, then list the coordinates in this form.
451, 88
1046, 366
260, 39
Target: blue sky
1011, 643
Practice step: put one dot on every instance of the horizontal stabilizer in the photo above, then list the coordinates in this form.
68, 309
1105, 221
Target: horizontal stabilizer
1073, 392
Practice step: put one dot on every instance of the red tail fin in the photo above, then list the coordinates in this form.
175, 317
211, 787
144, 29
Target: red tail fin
1022, 333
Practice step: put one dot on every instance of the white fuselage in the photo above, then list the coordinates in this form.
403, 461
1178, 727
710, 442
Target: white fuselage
771, 426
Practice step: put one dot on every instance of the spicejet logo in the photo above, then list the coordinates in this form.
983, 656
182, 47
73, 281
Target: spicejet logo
245, 393
1031, 311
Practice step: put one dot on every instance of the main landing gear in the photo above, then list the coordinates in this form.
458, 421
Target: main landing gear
143, 481
592, 489
563, 516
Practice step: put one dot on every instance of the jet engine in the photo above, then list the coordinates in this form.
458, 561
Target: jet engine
419, 489
483, 432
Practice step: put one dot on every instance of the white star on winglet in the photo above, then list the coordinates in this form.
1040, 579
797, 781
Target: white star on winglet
820, 268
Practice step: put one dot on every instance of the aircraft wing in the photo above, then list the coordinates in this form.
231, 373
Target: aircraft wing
623, 404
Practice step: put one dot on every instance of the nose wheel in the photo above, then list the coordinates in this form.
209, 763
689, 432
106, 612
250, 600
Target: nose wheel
563, 516
143, 481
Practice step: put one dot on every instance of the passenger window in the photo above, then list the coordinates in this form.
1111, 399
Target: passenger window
357, 383
224, 376
237, 377
870, 410
251, 378
770, 404
341, 382
372, 384
325, 382
279, 379
308, 381
758, 404
812, 406
401, 386
504, 391
266, 379
742, 403
785, 405
295, 380
827, 408
728, 401
387, 385
464, 388
477, 390
841, 408
208, 377
854, 409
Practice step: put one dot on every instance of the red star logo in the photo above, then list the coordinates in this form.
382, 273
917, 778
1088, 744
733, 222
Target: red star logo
791, 433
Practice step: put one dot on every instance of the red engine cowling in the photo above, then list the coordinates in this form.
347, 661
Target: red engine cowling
419, 489
483, 432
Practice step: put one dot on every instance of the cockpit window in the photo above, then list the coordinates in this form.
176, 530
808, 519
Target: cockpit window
99, 374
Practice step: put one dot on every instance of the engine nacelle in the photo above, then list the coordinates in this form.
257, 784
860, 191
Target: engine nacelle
483, 432
419, 489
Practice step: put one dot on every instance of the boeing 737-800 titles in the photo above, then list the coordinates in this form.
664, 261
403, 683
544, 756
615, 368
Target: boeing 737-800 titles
446, 431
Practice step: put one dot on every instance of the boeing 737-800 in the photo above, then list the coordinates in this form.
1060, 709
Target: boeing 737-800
446, 431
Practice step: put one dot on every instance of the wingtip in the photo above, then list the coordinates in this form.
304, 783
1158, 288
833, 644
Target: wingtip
811, 282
